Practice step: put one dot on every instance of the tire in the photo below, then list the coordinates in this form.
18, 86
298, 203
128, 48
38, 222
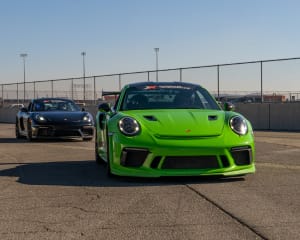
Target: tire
108, 168
29, 133
98, 159
18, 135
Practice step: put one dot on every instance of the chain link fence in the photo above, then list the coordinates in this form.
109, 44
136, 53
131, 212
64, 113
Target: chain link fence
274, 80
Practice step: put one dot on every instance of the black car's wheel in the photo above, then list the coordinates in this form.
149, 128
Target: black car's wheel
29, 132
18, 135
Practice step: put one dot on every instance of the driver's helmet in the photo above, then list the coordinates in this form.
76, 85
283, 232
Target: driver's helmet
39, 106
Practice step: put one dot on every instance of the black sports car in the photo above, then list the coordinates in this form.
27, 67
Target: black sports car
54, 117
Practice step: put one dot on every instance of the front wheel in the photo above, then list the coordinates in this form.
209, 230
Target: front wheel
99, 160
29, 132
18, 135
108, 168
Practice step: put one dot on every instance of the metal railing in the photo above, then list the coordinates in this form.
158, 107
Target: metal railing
261, 80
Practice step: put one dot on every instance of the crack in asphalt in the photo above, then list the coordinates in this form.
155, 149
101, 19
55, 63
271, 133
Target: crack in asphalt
227, 212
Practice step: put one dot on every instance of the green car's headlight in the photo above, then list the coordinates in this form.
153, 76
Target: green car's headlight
129, 126
238, 125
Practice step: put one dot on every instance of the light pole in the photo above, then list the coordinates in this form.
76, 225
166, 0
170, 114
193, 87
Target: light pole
156, 52
24, 55
83, 66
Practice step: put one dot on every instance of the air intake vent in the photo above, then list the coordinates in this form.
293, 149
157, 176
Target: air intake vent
201, 162
241, 155
133, 157
225, 161
150, 118
155, 162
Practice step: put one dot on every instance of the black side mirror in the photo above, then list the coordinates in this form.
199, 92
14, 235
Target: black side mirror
83, 109
104, 107
228, 106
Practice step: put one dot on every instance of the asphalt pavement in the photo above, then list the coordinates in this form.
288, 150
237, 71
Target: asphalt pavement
55, 190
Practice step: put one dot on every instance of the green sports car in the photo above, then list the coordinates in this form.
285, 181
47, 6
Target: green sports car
172, 129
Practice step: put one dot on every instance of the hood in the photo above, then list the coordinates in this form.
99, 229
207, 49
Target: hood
183, 122
62, 116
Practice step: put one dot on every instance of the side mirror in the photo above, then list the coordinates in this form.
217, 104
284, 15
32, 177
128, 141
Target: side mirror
228, 106
83, 109
24, 109
104, 107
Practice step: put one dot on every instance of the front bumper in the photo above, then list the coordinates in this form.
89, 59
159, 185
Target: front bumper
183, 159
65, 130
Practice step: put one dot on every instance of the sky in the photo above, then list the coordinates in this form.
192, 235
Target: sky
120, 35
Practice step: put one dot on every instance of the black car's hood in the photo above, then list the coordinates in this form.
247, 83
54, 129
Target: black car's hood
62, 116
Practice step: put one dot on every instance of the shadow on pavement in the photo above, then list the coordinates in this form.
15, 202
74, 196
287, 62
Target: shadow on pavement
12, 140
43, 140
88, 173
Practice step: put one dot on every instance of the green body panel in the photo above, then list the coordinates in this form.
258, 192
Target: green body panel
175, 133
164, 133
181, 122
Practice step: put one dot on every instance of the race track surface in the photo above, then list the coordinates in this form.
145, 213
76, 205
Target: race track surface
55, 190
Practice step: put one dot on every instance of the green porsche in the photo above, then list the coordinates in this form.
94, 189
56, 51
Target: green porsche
172, 129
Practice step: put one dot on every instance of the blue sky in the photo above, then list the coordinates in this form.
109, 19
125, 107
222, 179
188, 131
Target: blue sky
119, 35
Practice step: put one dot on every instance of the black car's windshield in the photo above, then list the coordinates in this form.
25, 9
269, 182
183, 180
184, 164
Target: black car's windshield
54, 105
168, 97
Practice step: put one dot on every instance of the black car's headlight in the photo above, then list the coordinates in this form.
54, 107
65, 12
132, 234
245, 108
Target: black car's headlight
87, 118
238, 125
40, 118
129, 126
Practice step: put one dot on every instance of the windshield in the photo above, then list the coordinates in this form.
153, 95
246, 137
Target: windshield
168, 97
54, 105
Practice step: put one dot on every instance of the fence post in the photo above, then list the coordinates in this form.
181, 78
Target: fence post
95, 90
218, 76
33, 89
24, 93
2, 95
180, 74
119, 82
72, 89
84, 89
18, 93
51, 88
261, 82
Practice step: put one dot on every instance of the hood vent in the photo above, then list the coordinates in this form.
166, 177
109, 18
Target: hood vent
212, 117
150, 118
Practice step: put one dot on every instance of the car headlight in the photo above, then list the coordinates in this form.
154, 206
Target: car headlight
238, 125
129, 126
87, 118
40, 118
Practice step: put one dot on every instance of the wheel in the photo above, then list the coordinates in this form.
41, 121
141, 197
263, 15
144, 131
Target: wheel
99, 160
108, 168
29, 132
18, 135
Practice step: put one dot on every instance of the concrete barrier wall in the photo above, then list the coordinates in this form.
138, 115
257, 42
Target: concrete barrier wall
272, 116
285, 116
266, 116
8, 115
257, 114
